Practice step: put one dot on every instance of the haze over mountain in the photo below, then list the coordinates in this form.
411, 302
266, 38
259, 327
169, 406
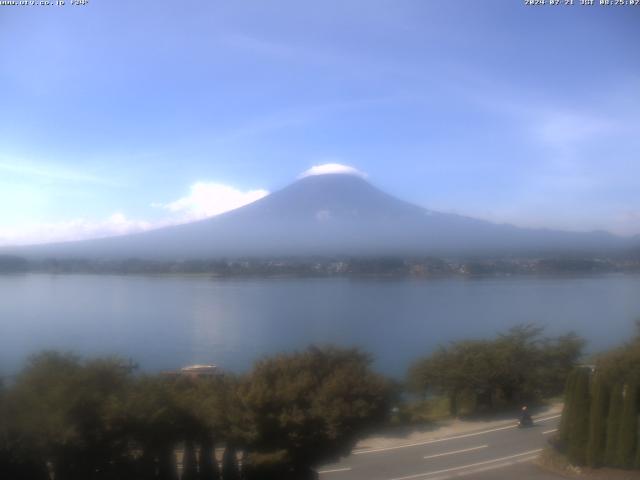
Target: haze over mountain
330, 214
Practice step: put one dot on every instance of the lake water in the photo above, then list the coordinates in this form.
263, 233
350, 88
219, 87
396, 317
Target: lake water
166, 322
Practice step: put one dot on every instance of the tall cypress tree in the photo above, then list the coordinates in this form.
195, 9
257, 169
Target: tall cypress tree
579, 418
597, 422
627, 435
613, 425
567, 411
636, 463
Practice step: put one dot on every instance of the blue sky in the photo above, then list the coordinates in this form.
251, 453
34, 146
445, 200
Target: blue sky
120, 116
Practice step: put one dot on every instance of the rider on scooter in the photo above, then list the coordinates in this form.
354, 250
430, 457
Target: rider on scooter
525, 417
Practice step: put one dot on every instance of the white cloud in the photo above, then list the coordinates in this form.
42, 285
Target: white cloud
329, 168
207, 199
75, 229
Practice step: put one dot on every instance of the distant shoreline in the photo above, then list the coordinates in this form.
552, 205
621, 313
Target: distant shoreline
352, 267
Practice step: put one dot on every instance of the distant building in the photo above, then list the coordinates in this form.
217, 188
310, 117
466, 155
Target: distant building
199, 371
195, 371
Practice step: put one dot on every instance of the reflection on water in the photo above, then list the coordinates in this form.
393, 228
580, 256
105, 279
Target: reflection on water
168, 321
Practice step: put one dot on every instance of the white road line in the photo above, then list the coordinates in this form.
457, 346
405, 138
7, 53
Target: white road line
456, 451
438, 440
446, 439
471, 465
485, 468
539, 420
549, 431
335, 470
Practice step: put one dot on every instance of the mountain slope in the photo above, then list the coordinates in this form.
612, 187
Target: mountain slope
333, 214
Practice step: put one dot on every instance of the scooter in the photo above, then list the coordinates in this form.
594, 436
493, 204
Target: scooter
525, 421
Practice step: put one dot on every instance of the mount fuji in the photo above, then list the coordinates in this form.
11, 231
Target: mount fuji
331, 214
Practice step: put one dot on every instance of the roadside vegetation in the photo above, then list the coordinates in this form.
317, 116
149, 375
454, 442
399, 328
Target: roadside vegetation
475, 376
96, 419
70, 418
599, 426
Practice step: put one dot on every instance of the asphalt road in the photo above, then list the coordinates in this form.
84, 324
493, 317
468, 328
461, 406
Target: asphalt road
505, 452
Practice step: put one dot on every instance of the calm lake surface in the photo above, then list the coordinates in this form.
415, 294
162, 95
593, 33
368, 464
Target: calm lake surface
166, 322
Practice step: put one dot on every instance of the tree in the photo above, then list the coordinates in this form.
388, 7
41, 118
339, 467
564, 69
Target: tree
520, 358
204, 418
66, 411
565, 420
270, 466
314, 405
627, 433
18, 460
558, 358
578, 420
612, 420
156, 423
622, 364
613, 425
597, 421
518, 366
448, 372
